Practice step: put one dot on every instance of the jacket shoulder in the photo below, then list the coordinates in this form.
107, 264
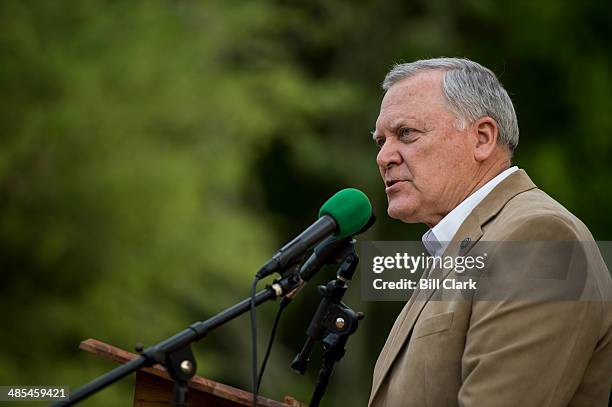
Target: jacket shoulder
534, 215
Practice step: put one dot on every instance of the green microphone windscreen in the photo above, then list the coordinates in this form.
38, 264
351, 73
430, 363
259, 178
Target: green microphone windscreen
351, 209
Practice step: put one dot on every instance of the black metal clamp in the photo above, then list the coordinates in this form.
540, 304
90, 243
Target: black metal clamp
181, 366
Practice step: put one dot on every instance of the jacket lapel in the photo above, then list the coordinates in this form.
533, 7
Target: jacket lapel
467, 235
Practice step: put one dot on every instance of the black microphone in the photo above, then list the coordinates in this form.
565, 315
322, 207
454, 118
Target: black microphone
324, 253
342, 215
292, 251
330, 250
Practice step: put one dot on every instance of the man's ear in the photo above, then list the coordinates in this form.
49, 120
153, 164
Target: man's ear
486, 133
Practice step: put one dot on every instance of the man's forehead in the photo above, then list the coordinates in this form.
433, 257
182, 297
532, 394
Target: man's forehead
421, 86
412, 98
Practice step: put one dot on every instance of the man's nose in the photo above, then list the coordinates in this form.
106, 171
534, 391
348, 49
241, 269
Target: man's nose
388, 155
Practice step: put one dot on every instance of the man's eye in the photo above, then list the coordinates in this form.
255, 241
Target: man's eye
380, 142
406, 132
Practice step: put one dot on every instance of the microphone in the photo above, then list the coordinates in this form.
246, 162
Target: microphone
343, 215
329, 251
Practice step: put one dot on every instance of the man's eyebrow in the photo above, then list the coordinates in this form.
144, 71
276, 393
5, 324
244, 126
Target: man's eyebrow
398, 124
395, 126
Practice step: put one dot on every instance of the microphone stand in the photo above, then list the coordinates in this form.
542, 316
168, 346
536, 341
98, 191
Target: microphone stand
175, 352
332, 324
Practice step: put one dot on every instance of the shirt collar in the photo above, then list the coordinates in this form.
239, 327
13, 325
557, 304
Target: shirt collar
437, 238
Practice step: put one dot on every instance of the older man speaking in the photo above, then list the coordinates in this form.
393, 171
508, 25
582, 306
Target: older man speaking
447, 131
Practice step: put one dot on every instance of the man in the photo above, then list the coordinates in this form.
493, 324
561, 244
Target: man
447, 131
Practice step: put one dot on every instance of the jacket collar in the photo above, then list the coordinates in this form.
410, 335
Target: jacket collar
470, 230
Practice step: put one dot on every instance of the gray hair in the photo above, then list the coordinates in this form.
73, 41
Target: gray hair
471, 90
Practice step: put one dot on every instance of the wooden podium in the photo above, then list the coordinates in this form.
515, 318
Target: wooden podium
154, 385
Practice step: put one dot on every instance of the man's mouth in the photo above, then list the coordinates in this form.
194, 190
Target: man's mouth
393, 184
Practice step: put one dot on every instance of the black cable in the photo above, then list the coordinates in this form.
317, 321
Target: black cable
254, 342
283, 303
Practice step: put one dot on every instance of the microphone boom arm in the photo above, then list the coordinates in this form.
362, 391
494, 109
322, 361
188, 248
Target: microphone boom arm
174, 352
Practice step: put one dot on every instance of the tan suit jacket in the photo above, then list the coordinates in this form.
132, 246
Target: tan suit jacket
502, 353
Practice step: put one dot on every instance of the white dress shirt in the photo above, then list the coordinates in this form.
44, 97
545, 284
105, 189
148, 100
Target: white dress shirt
437, 238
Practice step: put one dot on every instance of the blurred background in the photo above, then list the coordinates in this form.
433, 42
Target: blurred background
154, 154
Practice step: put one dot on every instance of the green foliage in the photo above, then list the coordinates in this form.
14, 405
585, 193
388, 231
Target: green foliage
153, 154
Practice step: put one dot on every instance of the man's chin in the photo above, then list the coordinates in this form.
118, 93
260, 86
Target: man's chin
402, 213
